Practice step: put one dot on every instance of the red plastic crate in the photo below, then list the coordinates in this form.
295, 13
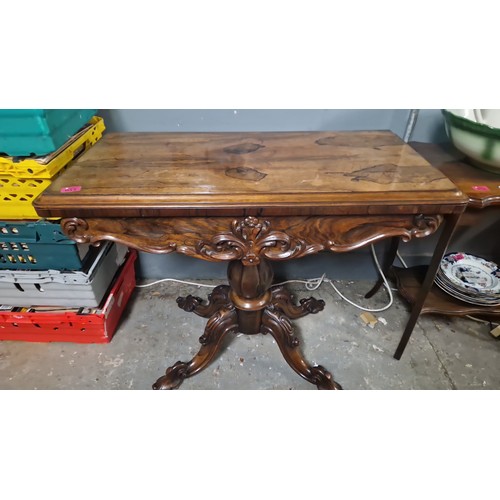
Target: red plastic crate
71, 326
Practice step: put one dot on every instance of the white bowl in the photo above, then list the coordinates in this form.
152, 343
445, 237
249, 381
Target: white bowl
476, 133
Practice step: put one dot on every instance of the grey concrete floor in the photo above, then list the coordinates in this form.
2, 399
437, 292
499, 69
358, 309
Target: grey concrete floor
443, 353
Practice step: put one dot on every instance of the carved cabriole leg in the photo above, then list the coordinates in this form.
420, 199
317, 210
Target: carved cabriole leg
258, 312
283, 300
217, 299
224, 321
279, 326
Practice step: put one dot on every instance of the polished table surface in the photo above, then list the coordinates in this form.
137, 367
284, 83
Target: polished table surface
307, 173
249, 199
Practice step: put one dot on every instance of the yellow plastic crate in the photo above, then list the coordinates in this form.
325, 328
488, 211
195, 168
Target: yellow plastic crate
17, 195
45, 167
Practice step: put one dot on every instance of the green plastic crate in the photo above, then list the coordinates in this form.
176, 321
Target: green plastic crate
38, 132
38, 245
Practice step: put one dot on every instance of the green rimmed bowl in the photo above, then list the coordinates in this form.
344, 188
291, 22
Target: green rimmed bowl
479, 142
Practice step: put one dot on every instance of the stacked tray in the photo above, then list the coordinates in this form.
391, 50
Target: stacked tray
39, 245
470, 278
84, 288
22, 179
52, 288
27, 132
45, 167
81, 325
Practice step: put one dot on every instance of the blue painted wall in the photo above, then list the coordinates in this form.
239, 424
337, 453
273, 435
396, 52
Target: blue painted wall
429, 126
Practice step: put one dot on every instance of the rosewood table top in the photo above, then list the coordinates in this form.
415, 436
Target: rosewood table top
250, 199
260, 173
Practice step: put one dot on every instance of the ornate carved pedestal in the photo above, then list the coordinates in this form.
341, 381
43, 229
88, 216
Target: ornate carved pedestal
249, 304
243, 307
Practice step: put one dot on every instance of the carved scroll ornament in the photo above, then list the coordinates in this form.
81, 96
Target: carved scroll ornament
250, 239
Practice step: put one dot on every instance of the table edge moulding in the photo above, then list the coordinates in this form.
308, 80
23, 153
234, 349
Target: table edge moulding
249, 199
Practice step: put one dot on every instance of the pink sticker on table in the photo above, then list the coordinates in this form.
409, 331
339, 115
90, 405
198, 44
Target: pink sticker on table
481, 188
70, 189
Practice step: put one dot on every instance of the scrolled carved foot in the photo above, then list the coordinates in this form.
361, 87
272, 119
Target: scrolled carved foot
312, 305
323, 379
216, 300
173, 377
189, 303
223, 322
275, 323
283, 300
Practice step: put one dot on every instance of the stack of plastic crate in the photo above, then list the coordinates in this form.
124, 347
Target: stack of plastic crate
51, 288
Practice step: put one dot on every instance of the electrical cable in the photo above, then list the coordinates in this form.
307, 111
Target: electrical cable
176, 281
481, 320
410, 125
310, 284
386, 284
401, 260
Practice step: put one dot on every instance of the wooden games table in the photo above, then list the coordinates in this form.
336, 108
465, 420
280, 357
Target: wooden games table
249, 199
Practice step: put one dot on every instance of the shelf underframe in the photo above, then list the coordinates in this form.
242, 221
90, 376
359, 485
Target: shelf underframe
409, 282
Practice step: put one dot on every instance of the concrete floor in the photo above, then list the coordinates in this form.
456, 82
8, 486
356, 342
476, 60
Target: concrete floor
443, 353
